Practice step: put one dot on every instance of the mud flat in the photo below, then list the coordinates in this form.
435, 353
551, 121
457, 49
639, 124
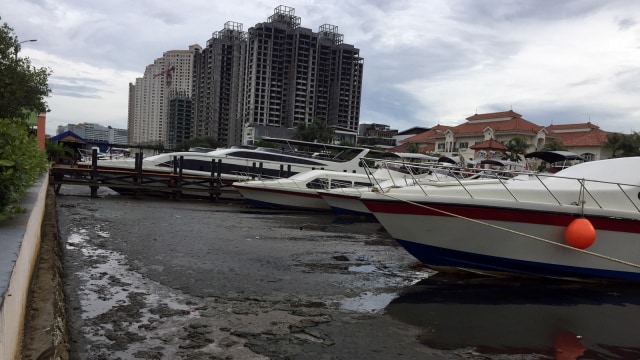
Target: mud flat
161, 279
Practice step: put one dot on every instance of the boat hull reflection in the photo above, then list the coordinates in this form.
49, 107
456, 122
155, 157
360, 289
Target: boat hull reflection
506, 316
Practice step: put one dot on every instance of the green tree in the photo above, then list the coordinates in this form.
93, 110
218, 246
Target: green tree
515, 147
21, 163
316, 131
23, 87
613, 143
623, 145
554, 145
205, 142
413, 148
58, 151
266, 144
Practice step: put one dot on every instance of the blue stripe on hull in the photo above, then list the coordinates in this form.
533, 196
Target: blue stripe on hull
437, 256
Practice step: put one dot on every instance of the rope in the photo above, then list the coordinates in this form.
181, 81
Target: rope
515, 232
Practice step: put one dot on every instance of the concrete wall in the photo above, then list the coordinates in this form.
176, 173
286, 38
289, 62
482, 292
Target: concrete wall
22, 234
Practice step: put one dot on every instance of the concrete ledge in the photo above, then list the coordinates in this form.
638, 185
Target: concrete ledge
15, 293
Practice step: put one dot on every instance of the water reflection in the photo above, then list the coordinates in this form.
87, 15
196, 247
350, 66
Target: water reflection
506, 316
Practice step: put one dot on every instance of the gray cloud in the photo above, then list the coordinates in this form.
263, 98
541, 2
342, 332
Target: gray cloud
85, 88
484, 54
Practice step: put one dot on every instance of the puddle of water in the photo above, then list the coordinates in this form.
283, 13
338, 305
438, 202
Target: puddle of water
368, 302
107, 282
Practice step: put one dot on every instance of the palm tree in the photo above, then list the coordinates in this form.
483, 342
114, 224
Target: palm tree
613, 143
58, 152
515, 147
554, 145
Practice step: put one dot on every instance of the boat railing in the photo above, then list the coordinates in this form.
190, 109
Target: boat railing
561, 190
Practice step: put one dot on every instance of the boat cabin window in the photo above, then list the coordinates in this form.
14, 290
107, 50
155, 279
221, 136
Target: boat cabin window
189, 164
269, 156
326, 183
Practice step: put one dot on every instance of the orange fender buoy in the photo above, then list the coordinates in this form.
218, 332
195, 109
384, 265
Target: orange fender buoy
580, 234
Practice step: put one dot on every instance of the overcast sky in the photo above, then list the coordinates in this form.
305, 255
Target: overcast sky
426, 62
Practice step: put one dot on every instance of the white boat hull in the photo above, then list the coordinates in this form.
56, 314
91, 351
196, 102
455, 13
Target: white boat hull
345, 203
505, 244
517, 227
282, 198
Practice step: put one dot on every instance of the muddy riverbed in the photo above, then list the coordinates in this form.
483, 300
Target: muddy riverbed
161, 279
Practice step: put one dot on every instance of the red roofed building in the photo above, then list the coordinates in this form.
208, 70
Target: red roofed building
499, 126
426, 140
481, 135
584, 139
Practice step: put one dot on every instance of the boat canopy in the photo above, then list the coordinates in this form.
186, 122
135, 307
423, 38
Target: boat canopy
554, 156
502, 163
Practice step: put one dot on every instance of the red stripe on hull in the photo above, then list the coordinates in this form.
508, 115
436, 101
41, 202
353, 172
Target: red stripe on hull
500, 214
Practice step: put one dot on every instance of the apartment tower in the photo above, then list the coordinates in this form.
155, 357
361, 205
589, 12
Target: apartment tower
217, 86
168, 77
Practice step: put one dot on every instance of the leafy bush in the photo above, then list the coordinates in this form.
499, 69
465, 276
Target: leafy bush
21, 164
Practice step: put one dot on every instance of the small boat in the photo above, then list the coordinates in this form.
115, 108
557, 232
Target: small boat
299, 191
582, 222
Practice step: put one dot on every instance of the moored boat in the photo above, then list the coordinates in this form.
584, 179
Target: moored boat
299, 191
524, 225
247, 163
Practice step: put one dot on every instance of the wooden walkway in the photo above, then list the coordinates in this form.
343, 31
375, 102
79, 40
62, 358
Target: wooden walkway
136, 182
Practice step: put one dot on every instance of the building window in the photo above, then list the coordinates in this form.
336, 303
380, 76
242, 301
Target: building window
464, 145
588, 156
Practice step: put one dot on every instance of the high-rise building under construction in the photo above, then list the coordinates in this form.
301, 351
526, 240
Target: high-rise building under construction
276, 75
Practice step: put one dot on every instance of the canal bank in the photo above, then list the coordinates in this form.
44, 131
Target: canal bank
158, 279
32, 307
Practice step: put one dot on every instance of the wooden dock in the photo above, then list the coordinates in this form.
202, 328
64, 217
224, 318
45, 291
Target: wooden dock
136, 182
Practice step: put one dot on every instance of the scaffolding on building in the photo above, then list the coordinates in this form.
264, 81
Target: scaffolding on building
285, 15
329, 31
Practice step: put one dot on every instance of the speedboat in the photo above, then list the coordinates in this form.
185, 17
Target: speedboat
582, 222
299, 191
308, 190
346, 201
